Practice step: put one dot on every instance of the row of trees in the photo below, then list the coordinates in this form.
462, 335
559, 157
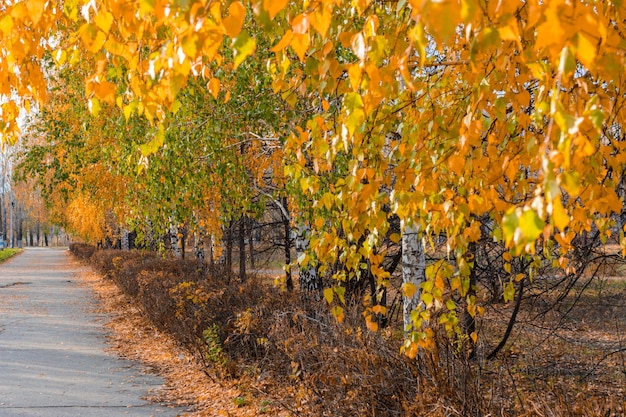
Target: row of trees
491, 132
24, 219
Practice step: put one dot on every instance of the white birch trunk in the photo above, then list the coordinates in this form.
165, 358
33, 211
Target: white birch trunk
413, 269
308, 277
175, 241
125, 240
199, 245
209, 245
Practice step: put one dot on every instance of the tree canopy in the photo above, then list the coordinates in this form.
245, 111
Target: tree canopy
469, 119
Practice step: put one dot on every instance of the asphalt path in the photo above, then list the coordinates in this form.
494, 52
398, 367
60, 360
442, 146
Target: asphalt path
53, 354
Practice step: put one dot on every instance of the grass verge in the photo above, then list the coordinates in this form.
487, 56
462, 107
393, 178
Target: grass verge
8, 253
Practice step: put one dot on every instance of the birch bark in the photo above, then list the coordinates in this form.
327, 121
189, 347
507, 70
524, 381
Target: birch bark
413, 269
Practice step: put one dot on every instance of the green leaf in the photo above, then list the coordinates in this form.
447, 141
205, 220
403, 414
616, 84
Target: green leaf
427, 298
531, 225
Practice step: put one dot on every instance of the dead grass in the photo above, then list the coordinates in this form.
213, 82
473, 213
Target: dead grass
270, 353
134, 337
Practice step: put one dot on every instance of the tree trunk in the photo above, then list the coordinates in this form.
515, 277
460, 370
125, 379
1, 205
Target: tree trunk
229, 248
174, 242
45, 239
125, 241
149, 239
2, 217
20, 230
469, 321
287, 245
413, 269
310, 282
210, 248
250, 223
199, 245
242, 248
182, 240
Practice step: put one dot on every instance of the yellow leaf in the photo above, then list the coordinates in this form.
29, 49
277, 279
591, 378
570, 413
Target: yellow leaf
273, 7
234, 21
585, 51
244, 47
474, 337
509, 292
6, 24
214, 87
216, 11
94, 106
328, 295
146, 6
104, 20
560, 214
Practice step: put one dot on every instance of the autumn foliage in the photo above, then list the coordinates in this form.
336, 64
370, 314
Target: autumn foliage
491, 131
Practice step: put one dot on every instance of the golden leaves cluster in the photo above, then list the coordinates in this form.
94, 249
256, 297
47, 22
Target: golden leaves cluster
441, 112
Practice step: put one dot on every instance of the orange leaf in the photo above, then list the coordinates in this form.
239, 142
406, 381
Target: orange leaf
409, 289
300, 44
234, 22
35, 9
284, 41
214, 87
105, 91
273, 7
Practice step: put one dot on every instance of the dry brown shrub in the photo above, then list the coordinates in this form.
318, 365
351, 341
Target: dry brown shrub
275, 345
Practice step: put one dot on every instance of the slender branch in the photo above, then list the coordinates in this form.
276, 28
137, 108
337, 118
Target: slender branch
509, 328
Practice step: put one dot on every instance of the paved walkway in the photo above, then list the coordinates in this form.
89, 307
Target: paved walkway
52, 347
